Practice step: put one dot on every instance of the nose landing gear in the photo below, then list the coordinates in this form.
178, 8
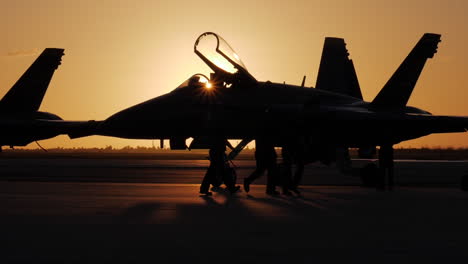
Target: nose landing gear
380, 177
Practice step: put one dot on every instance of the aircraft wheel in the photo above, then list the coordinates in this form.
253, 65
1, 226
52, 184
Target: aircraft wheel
369, 175
464, 183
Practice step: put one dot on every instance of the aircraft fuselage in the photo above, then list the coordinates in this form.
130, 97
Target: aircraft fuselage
266, 108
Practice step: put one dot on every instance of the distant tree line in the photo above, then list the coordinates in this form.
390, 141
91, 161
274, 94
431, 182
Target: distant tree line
400, 153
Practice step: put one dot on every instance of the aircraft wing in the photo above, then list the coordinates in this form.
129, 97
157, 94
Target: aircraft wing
395, 121
299, 119
439, 124
354, 128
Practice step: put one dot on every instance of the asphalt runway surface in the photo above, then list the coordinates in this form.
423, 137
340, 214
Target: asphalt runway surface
407, 172
149, 211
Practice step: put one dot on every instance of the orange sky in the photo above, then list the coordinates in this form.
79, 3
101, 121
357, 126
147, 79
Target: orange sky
119, 53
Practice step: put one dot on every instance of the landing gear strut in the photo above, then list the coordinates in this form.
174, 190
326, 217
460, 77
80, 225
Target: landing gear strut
386, 167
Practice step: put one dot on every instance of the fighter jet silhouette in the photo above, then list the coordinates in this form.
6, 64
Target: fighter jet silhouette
332, 116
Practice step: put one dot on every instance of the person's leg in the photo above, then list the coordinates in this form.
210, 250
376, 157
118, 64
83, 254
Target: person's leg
259, 170
229, 179
272, 179
285, 168
207, 180
253, 176
298, 174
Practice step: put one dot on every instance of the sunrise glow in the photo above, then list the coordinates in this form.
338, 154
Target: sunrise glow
118, 54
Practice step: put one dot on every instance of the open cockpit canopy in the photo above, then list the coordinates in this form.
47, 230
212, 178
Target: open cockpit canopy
218, 55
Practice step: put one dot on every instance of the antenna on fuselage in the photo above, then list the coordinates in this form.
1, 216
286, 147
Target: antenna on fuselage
303, 81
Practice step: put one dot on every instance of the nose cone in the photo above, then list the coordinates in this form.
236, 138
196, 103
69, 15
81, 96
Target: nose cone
152, 119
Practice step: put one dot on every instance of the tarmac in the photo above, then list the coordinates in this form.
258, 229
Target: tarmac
55, 211
434, 173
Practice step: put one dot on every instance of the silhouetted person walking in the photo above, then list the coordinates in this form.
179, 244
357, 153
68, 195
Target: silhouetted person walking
217, 173
293, 153
285, 170
265, 157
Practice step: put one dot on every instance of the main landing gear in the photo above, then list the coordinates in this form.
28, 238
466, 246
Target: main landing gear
381, 177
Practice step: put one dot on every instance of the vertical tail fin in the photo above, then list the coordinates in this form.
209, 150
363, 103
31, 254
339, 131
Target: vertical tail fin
336, 72
398, 89
27, 93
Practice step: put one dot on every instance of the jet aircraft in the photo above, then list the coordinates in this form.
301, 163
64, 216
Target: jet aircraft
332, 116
20, 121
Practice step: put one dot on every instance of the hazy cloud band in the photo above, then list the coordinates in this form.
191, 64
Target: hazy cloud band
28, 52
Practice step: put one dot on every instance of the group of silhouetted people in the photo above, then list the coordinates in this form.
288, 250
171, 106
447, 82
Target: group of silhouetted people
280, 175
